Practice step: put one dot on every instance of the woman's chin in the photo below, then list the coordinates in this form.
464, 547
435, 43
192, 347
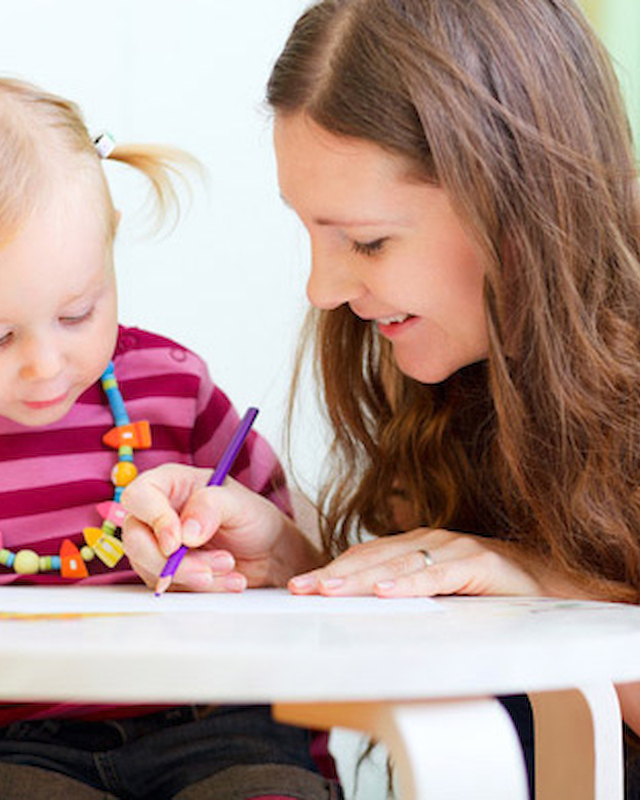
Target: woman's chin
433, 372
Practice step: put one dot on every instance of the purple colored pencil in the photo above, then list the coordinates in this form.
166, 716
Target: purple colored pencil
217, 479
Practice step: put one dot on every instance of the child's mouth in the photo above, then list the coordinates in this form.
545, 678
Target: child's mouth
38, 404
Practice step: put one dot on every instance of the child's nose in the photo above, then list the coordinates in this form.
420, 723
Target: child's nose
331, 283
41, 359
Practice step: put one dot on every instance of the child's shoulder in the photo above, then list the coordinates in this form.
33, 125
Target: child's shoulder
130, 339
142, 350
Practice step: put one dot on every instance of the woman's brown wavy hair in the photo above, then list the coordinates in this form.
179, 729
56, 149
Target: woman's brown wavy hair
513, 108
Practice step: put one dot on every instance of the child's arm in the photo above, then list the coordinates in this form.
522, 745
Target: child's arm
238, 537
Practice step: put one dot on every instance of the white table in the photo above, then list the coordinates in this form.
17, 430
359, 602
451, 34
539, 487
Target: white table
417, 674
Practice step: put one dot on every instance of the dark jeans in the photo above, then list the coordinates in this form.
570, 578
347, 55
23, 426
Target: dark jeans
520, 711
632, 765
227, 752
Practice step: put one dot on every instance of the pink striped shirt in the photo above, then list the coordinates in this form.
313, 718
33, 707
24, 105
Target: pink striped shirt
52, 478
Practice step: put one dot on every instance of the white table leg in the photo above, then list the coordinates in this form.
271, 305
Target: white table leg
578, 744
447, 750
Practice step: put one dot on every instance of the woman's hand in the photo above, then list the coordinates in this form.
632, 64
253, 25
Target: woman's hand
237, 537
422, 563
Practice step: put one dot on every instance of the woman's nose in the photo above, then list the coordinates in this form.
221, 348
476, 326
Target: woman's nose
331, 283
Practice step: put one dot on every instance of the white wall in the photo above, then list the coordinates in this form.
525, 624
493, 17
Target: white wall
229, 282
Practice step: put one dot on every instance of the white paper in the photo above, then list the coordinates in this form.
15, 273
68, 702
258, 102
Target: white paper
125, 599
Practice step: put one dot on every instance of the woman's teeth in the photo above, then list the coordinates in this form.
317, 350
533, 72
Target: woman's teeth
393, 320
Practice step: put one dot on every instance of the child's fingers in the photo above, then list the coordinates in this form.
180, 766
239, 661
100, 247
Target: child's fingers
204, 570
149, 506
141, 547
230, 507
206, 582
157, 496
203, 514
208, 571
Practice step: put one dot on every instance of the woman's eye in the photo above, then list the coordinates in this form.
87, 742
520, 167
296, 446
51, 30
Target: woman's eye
368, 248
6, 339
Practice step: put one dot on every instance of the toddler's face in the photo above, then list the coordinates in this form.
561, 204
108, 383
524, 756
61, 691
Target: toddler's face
58, 310
391, 248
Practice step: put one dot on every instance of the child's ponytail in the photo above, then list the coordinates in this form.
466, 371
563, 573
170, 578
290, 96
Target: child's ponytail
164, 167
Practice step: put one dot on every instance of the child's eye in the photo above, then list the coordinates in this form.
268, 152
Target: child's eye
368, 248
77, 318
6, 339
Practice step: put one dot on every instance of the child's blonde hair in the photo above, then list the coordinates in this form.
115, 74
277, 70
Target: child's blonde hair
37, 127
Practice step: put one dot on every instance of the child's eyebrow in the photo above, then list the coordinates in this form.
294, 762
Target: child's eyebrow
92, 286
80, 295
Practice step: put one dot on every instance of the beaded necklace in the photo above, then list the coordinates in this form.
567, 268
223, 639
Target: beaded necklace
103, 542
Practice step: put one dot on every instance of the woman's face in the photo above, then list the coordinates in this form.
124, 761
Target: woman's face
390, 247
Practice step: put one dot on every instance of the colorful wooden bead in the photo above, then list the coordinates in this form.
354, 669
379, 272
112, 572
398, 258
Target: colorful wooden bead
108, 549
87, 553
27, 562
123, 473
45, 563
125, 436
112, 511
91, 536
125, 453
71, 563
135, 435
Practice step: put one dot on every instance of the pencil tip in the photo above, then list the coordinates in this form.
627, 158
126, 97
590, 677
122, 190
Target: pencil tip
162, 585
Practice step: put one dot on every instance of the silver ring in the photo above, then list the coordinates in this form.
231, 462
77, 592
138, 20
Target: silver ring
428, 560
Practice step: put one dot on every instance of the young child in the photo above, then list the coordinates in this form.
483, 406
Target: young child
85, 403
467, 178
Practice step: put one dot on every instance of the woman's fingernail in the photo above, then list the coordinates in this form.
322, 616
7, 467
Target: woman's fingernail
385, 586
332, 583
191, 531
303, 581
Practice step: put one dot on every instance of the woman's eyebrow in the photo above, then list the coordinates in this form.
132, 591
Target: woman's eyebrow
349, 222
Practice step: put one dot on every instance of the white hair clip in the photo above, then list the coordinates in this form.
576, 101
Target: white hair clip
104, 144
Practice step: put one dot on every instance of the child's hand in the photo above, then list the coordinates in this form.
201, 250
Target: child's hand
422, 563
238, 538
